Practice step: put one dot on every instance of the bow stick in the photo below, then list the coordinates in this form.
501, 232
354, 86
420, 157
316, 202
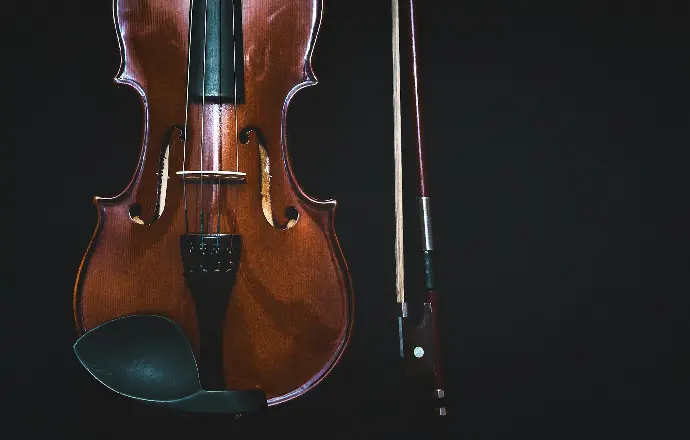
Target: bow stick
419, 339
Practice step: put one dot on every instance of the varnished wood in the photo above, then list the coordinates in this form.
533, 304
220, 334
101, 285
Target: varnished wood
290, 314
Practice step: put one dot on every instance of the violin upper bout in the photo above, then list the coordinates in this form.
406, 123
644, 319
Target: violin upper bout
152, 38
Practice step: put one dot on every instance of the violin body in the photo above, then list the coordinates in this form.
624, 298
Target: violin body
285, 316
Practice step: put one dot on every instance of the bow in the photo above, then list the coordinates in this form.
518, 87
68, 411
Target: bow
420, 345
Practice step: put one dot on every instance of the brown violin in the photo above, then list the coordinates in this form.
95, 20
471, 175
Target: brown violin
214, 232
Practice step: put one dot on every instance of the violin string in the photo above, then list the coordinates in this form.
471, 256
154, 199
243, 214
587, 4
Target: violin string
203, 119
235, 109
219, 129
186, 120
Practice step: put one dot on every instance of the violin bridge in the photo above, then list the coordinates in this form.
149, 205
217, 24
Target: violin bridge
213, 176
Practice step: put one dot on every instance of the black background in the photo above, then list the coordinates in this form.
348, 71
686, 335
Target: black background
558, 155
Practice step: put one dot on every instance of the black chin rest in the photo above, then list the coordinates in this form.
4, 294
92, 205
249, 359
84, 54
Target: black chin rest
148, 358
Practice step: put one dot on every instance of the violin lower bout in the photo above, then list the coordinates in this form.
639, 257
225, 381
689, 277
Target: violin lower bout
289, 313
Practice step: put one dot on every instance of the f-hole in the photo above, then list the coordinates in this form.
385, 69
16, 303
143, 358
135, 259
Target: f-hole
162, 176
291, 212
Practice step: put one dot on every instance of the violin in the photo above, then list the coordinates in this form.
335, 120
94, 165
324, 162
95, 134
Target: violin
214, 231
